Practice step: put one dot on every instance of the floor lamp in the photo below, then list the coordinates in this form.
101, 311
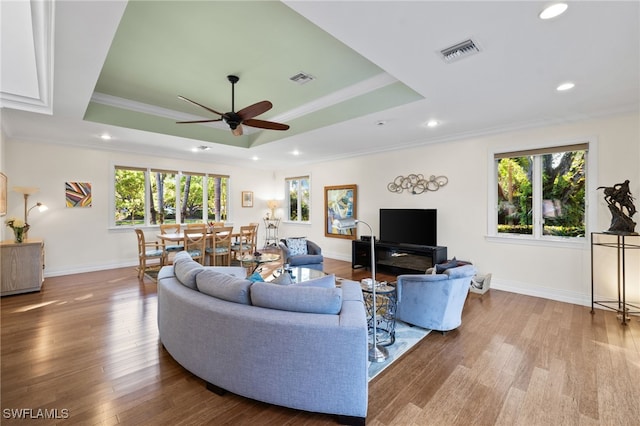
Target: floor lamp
26, 191
377, 353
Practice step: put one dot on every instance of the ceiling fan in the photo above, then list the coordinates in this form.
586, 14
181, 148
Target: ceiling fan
234, 119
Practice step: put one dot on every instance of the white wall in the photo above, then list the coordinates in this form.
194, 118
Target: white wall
557, 273
79, 239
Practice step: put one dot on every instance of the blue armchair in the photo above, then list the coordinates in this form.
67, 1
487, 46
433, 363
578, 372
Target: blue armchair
434, 301
309, 258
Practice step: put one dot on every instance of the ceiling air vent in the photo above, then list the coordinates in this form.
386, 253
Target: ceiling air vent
459, 51
302, 78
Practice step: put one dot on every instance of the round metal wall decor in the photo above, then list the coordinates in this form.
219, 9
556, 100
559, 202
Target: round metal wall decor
417, 184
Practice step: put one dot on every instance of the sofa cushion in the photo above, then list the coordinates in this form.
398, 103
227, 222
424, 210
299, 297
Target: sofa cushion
327, 281
223, 286
186, 270
295, 298
297, 246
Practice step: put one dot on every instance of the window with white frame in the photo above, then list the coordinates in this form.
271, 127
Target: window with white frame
298, 196
541, 193
153, 196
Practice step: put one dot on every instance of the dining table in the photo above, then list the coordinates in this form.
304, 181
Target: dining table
179, 236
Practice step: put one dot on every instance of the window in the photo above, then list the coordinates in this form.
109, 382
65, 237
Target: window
217, 198
149, 196
541, 193
298, 198
162, 207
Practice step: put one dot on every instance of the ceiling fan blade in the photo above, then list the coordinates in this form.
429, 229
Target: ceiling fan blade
262, 124
199, 121
237, 131
200, 105
255, 110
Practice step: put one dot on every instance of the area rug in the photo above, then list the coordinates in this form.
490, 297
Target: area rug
406, 337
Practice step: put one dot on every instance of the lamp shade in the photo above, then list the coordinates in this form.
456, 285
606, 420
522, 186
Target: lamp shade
345, 223
26, 190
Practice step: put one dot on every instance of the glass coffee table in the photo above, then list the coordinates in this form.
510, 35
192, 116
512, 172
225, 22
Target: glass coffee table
259, 260
298, 274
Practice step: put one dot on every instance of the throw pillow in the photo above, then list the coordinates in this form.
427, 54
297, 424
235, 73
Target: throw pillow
223, 286
295, 298
186, 271
255, 277
297, 246
283, 279
440, 268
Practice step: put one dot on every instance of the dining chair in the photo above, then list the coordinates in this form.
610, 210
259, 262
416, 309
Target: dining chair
149, 251
254, 241
171, 228
197, 226
195, 241
245, 242
220, 246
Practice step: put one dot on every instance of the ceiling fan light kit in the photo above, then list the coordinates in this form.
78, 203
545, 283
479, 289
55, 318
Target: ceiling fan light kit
234, 119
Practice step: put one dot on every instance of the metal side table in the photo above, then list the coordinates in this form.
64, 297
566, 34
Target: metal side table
386, 300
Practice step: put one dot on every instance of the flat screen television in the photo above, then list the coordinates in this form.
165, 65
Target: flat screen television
409, 226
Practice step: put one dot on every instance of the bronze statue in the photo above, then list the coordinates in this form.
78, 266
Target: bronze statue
618, 197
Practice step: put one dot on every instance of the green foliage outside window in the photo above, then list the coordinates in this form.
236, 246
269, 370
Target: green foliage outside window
130, 196
562, 200
299, 195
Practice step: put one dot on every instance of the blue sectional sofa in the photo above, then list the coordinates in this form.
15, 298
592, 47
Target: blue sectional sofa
303, 347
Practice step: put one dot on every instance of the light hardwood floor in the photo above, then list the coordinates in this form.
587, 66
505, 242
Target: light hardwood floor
87, 346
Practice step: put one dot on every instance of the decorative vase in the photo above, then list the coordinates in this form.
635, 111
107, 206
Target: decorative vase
19, 234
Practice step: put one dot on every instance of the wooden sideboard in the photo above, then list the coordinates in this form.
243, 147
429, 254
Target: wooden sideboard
22, 266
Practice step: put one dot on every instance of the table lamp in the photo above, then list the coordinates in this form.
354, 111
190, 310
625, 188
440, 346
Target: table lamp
377, 353
273, 205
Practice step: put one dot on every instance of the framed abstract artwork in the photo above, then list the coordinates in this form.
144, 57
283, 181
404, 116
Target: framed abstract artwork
78, 194
340, 202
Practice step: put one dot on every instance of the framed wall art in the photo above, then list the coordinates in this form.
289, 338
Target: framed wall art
339, 203
3, 194
78, 194
247, 199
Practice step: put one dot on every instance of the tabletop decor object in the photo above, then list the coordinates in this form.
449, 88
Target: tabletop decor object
619, 198
19, 228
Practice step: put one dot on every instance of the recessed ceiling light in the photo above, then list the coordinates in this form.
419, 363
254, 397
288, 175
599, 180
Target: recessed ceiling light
105, 137
565, 86
296, 152
553, 11
200, 148
381, 123
432, 123
255, 158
